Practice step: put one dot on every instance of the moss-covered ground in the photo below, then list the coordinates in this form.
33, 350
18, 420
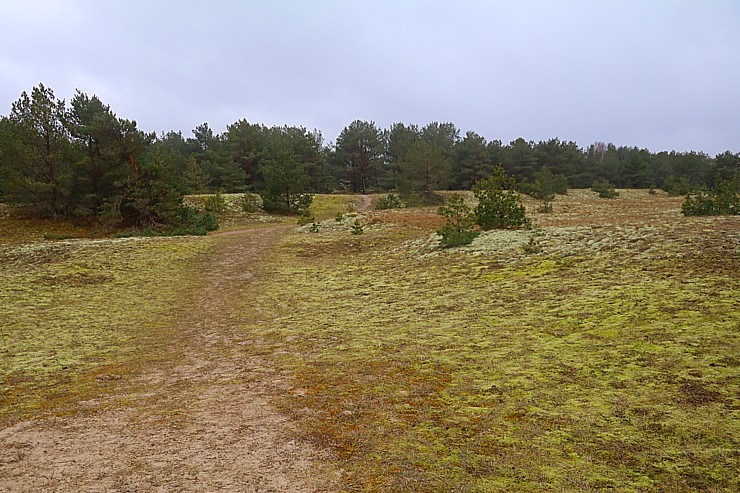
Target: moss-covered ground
607, 361
80, 311
604, 357
77, 314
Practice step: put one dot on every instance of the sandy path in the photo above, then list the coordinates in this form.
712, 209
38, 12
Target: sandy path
203, 425
365, 203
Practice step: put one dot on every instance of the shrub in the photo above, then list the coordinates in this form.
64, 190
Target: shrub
215, 203
458, 230
412, 200
727, 196
306, 218
58, 236
301, 201
499, 206
532, 246
605, 189
677, 186
561, 184
294, 204
431, 198
390, 201
454, 237
546, 185
193, 222
339, 217
189, 222
538, 191
423, 199
545, 208
356, 228
251, 202
722, 200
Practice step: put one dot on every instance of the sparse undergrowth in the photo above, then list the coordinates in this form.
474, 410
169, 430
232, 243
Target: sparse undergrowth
604, 189
72, 312
611, 367
389, 201
327, 206
75, 310
604, 359
724, 199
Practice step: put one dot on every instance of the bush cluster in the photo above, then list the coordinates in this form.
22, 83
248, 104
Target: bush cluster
187, 221
215, 203
605, 189
499, 207
723, 199
251, 202
390, 201
306, 217
423, 199
292, 204
458, 230
677, 186
546, 185
192, 222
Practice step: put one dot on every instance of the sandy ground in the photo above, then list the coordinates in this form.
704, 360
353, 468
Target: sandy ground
365, 203
205, 424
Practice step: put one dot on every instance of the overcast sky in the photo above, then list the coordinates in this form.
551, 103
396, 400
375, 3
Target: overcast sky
659, 74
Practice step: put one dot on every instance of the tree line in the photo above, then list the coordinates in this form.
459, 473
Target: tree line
81, 159
409, 158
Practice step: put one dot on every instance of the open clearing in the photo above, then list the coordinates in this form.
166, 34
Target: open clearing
596, 352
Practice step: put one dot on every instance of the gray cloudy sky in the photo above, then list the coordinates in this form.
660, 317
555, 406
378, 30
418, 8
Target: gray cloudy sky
661, 74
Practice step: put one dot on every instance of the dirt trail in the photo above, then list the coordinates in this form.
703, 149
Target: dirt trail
365, 204
205, 424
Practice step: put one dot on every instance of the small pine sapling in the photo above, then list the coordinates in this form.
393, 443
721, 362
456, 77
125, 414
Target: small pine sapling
356, 228
499, 205
458, 230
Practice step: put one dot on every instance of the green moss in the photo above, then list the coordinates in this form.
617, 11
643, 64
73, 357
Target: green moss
473, 371
534, 269
454, 372
69, 308
327, 206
